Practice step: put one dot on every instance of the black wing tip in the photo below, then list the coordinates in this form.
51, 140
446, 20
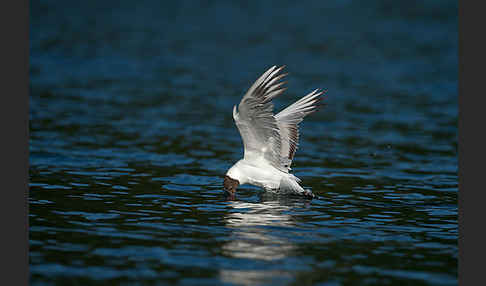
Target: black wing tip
276, 67
318, 102
279, 71
283, 75
321, 91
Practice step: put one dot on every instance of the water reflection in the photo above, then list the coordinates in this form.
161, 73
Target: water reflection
254, 227
259, 230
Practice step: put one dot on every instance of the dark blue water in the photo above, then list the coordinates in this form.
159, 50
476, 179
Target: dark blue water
131, 133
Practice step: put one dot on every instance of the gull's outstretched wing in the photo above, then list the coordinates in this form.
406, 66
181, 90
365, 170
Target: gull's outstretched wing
288, 122
254, 118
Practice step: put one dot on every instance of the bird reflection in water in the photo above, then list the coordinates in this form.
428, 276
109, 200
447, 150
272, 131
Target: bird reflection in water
257, 235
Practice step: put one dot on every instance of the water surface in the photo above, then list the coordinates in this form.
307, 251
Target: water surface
131, 133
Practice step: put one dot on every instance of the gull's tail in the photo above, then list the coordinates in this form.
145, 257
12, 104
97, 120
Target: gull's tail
290, 185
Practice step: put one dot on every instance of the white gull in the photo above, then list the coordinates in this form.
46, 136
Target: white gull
269, 140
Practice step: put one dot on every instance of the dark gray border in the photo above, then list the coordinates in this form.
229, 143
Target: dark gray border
471, 144
15, 152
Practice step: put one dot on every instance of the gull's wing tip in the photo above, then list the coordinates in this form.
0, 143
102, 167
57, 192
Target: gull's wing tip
276, 67
272, 68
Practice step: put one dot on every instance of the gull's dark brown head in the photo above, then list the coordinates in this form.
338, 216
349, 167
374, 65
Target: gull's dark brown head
230, 185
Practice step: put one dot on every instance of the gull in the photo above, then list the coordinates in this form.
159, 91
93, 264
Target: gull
269, 140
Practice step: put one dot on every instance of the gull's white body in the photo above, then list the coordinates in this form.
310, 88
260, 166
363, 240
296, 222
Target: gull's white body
262, 174
269, 140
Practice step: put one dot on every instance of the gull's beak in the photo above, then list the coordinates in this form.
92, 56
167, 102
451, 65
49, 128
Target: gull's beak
230, 192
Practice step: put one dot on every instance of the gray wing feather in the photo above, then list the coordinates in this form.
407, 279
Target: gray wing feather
256, 122
273, 137
288, 122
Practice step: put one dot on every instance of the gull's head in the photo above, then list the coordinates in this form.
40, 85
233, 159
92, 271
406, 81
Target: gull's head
233, 178
230, 185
